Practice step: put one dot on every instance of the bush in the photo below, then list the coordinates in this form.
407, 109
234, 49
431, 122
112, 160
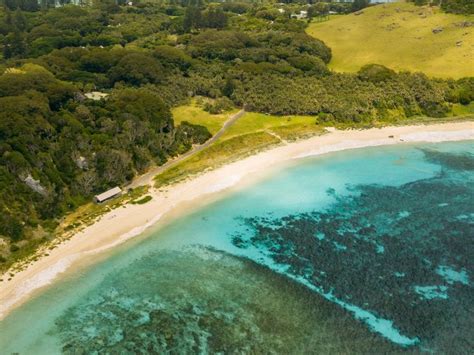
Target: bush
143, 200
219, 105
376, 73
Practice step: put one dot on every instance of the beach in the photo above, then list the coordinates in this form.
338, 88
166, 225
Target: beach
122, 224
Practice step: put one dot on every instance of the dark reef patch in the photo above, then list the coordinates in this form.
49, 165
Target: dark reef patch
459, 161
403, 253
204, 301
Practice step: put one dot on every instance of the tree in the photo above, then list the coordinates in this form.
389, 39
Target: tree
376, 73
137, 69
10, 226
192, 19
228, 88
320, 9
214, 18
14, 45
26, 5
142, 105
360, 4
20, 21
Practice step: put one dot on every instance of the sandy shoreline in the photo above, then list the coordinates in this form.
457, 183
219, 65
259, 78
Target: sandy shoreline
121, 224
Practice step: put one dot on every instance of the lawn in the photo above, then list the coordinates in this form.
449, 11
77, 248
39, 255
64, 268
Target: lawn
463, 110
286, 127
400, 36
194, 113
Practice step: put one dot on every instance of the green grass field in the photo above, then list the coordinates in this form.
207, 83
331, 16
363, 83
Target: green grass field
193, 113
399, 36
286, 127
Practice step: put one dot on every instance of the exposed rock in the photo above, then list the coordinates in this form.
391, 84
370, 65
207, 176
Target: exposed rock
464, 24
458, 43
392, 26
357, 13
35, 185
437, 30
82, 163
80, 97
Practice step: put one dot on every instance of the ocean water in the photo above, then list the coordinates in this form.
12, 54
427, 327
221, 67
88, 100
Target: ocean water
362, 251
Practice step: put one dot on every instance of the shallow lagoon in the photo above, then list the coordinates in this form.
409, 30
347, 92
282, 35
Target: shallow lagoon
356, 251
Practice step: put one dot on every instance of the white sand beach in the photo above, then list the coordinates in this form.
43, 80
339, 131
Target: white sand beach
122, 224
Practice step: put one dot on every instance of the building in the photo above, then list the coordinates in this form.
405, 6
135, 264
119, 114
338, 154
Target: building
302, 15
59, 3
96, 95
107, 195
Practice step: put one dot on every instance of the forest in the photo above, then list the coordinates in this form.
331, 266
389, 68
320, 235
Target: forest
58, 147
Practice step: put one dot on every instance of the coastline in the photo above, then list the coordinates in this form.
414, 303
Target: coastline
122, 224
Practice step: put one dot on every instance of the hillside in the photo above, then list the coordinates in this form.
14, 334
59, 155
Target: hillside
400, 36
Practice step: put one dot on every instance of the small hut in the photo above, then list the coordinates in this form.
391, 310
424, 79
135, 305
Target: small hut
107, 195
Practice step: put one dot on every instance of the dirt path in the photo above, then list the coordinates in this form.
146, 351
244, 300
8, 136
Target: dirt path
147, 178
276, 136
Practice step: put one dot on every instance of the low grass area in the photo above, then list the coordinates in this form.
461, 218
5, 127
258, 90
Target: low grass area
142, 201
220, 153
463, 110
194, 113
287, 127
252, 133
400, 36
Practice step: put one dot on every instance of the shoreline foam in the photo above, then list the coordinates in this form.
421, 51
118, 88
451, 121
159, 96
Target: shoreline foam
120, 225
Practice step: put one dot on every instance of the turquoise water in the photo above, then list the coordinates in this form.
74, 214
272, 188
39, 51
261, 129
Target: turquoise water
367, 250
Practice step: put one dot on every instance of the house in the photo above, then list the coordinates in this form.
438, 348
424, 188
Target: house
96, 95
107, 195
302, 15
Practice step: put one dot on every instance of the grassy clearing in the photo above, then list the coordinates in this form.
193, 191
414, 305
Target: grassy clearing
462, 110
252, 133
194, 113
399, 36
287, 127
218, 154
